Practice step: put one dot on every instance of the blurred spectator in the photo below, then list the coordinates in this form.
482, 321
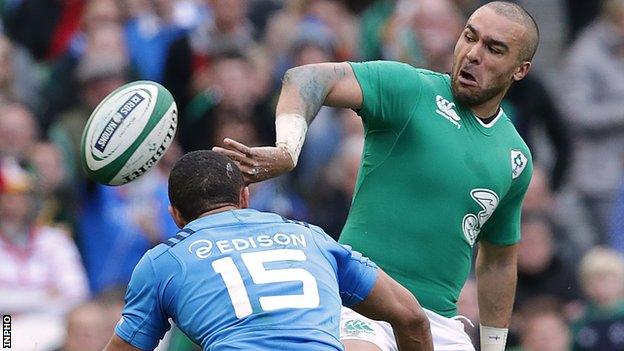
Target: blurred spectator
580, 13
189, 59
98, 74
539, 196
134, 8
260, 12
237, 129
540, 199
118, 224
279, 32
593, 93
279, 196
340, 22
317, 20
543, 327
541, 269
89, 325
44, 27
531, 108
616, 229
18, 131
602, 278
18, 81
100, 33
149, 36
229, 97
423, 33
57, 200
41, 276
372, 24
331, 199
98, 13
111, 302
437, 25
86, 328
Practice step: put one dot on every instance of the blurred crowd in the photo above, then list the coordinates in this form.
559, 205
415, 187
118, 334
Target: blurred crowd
68, 245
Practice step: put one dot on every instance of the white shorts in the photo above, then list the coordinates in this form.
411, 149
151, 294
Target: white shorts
448, 333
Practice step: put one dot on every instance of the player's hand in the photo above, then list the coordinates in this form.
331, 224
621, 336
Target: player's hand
257, 163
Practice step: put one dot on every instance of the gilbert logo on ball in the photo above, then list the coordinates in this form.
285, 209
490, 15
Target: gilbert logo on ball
128, 132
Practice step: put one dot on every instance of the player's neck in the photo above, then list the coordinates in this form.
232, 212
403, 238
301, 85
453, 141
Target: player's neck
489, 108
219, 209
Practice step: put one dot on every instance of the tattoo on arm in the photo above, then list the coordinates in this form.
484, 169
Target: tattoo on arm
313, 83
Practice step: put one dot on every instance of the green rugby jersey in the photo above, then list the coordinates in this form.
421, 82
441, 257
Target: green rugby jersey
433, 180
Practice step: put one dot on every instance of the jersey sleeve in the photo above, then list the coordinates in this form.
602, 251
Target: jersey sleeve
503, 228
356, 274
390, 91
142, 323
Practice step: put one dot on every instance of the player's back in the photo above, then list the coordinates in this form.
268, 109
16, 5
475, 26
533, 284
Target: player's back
247, 280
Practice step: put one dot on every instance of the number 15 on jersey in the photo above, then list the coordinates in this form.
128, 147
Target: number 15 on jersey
254, 262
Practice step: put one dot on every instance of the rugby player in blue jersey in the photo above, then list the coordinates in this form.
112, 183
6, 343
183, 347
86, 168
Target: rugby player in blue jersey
238, 279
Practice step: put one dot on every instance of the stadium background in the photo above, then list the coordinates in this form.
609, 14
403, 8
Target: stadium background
68, 246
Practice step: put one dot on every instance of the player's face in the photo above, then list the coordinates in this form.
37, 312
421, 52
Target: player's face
487, 58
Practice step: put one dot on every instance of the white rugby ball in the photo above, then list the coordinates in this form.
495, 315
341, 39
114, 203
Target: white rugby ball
128, 132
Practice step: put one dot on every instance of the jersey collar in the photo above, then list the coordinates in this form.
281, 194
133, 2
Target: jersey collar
493, 122
221, 219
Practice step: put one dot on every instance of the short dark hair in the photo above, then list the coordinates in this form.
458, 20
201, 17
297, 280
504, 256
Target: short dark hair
520, 15
204, 180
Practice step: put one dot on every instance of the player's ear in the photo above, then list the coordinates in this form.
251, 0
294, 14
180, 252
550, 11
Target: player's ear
522, 70
177, 217
244, 198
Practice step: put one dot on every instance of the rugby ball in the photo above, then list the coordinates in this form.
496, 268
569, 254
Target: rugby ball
128, 132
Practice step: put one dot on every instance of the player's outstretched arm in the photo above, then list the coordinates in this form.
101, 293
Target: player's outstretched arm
496, 271
118, 344
304, 90
391, 302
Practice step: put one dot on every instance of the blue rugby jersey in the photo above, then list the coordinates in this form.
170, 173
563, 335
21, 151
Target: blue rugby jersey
246, 280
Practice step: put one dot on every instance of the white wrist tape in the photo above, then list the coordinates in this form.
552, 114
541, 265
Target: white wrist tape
493, 339
290, 132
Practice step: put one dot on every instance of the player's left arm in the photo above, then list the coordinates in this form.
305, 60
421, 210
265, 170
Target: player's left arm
496, 270
496, 266
143, 322
118, 344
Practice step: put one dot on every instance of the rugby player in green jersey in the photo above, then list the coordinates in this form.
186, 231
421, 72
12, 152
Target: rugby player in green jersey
443, 168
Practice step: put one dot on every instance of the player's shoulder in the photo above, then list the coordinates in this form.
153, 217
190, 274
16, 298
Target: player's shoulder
435, 82
432, 75
160, 263
318, 235
315, 232
395, 69
511, 136
518, 151
158, 250
162, 255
